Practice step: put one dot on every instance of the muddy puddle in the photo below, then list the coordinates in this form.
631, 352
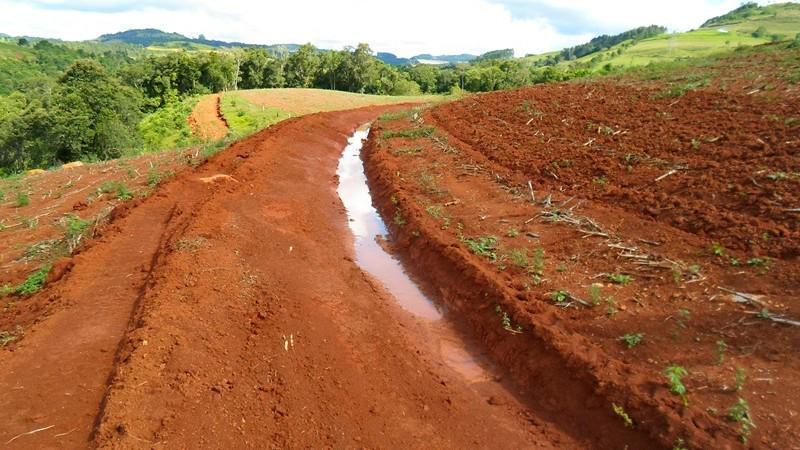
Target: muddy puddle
368, 230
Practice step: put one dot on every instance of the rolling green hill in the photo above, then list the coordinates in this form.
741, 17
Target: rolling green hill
747, 25
158, 40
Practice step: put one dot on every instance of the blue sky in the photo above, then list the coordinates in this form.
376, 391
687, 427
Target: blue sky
405, 28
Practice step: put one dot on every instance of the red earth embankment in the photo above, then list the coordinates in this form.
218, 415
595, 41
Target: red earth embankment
614, 226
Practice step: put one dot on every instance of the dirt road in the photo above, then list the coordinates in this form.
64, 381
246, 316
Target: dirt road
206, 119
230, 314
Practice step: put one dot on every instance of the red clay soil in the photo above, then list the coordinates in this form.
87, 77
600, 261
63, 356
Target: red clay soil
206, 119
231, 314
33, 234
595, 248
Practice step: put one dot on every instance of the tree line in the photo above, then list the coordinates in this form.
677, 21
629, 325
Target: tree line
69, 104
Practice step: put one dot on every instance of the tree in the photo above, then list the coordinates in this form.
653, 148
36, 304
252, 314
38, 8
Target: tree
22, 42
425, 76
93, 115
359, 69
254, 63
302, 66
330, 68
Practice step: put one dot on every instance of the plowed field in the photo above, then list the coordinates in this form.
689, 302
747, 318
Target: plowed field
598, 235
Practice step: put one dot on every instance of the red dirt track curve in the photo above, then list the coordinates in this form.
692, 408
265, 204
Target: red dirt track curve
231, 315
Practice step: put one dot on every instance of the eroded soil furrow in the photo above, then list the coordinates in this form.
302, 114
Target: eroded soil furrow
260, 330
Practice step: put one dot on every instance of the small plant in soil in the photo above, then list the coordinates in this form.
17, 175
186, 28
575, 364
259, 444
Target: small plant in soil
519, 258
407, 151
680, 322
675, 374
23, 199
611, 307
429, 184
8, 337
34, 282
512, 232
696, 144
722, 347
5, 290
483, 246
620, 411
153, 178
435, 211
600, 181
505, 320
538, 261
717, 249
398, 218
735, 262
74, 231
762, 264
679, 444
123, 193
562, 268
595, 294
740, 413
778, 176
764, 314
739, 379
677, 274
631, 158
560, 296
632, 340
618, 278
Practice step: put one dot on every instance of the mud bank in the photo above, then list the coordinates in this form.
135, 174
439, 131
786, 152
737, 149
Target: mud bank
569, 379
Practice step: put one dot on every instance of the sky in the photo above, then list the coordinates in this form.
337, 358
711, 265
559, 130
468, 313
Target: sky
403, 27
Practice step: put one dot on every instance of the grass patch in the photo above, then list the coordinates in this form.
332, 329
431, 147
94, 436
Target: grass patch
398, 115
74, 231
679, 90
407, 151
23, 199
410, 133
632, 340
35, 281
8, 337
245, 118
619, 278
675, 374
119, 188
483, 246
168, 127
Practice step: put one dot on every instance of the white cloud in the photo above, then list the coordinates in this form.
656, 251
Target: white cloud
406, 28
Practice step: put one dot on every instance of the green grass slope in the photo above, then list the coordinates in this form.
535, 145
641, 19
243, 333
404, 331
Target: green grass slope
746, 26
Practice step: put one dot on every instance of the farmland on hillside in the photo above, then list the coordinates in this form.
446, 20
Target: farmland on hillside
637, 227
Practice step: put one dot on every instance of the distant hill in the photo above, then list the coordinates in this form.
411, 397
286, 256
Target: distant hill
746, 25
145, 37
750, 11
148, 37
